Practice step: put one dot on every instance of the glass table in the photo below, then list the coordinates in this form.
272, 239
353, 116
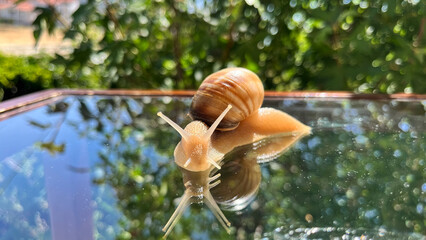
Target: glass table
99, 165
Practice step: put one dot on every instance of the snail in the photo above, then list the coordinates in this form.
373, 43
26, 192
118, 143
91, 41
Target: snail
228, 100
225, 100
212, 105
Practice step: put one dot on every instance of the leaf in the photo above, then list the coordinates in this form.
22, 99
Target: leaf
51, 147
40, 125
45, 20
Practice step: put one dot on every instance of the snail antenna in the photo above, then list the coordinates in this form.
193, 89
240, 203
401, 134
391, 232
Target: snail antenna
211, 203
187, 162
212, 162
180, 130
211, 179
213, 127
184, 203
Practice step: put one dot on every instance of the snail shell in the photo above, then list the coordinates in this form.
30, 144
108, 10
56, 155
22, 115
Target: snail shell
239, 87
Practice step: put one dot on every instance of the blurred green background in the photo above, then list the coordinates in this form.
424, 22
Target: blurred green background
353, 45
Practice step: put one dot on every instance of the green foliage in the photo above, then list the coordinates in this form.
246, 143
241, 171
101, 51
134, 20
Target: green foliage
363, 46
22, 75
51, 147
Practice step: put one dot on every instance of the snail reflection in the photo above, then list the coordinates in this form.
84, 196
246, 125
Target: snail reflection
240, 174
227, 114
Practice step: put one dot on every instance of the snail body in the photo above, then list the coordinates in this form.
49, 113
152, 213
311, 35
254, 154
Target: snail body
262, 124
193, 152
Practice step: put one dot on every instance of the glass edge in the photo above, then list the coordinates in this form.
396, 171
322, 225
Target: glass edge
31, 101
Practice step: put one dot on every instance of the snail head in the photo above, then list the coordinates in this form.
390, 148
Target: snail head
196, 140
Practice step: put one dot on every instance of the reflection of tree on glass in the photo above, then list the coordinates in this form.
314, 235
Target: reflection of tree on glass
363, 166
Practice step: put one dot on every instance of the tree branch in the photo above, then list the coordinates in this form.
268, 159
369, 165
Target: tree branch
229, 44
111, 15
421, 31
177, 52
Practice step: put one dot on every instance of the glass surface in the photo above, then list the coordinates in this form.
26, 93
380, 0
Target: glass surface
93, 167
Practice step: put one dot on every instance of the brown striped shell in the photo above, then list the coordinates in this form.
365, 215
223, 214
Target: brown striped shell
239, 87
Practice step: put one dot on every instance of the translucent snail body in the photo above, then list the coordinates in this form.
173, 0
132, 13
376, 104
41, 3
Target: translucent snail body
193, 152
262, 124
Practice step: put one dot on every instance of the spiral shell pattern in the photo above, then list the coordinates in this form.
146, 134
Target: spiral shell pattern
239, 87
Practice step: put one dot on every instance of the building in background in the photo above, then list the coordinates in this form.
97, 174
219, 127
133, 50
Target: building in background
22, 13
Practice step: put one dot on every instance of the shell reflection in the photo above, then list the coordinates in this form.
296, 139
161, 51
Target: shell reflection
241, 174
